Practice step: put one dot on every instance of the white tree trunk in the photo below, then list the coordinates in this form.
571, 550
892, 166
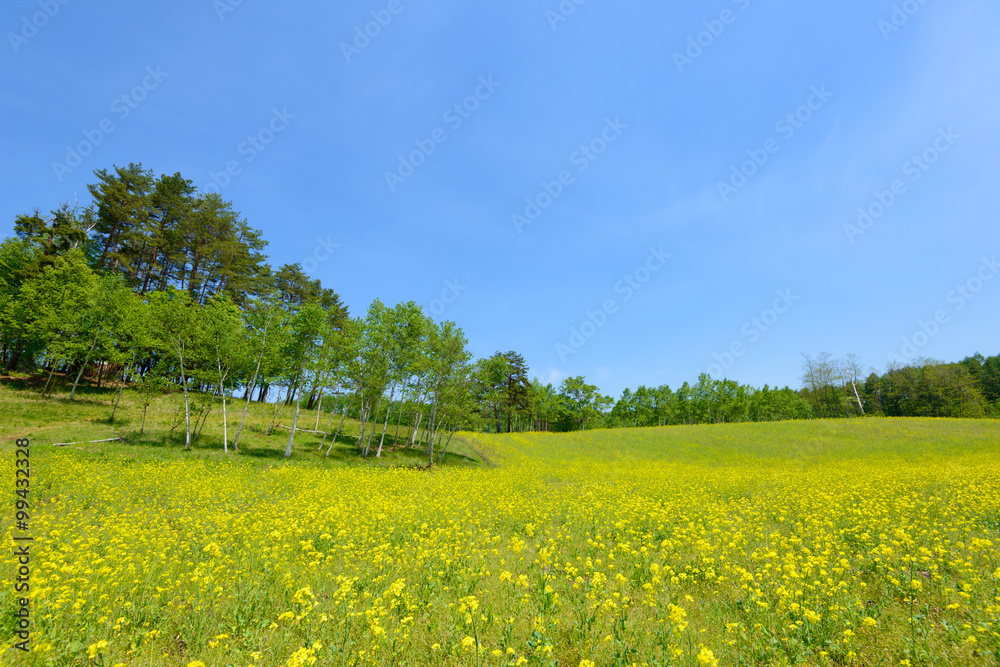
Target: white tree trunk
371, 434
295, 421
274, 418
121, 387
225, 430
385, 425
326, 431
253, 384
319, 408
399, 419
445, 450
187, 403
416, 429
364, 421
339, 427
52, 371
86, 359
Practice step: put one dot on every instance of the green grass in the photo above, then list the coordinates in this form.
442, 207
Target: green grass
56, 419
851, 542
809, 442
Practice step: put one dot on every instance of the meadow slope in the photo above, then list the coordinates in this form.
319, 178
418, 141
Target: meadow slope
864, 542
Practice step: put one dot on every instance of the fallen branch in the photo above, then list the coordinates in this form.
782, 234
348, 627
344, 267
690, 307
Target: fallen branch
83, 442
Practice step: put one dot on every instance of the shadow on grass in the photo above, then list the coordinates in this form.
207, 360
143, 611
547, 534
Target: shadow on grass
136, 440
345, 450
263, 452
461, 459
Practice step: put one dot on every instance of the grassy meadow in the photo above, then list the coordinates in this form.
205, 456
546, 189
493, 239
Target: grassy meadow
24, 414
852, 542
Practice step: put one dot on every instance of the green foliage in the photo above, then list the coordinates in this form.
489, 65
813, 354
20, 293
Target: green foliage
155, 284
928, 390
923, 388
56, 310
581, 404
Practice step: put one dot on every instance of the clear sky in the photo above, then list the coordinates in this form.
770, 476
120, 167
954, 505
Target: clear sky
737, 137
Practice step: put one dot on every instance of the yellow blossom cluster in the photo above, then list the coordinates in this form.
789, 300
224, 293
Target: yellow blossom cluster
605, 548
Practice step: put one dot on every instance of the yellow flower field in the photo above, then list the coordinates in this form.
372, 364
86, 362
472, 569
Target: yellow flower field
869, 542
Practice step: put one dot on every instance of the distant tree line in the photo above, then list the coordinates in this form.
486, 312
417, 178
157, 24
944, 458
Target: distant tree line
708, 401
924, 388
156, 286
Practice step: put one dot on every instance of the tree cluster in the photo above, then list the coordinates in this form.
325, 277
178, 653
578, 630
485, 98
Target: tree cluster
156, 285
708, 401
924, 388
163, 288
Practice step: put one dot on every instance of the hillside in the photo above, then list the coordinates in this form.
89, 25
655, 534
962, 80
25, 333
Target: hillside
816, 543
58, 420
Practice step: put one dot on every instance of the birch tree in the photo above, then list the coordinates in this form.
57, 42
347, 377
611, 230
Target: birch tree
306, 330
178, 330
448, 370
225, 345
851, 370
371, 372
344, 343
408, 329
131, 339
264, 321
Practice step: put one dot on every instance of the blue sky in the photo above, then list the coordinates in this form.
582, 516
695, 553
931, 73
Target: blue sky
640, 109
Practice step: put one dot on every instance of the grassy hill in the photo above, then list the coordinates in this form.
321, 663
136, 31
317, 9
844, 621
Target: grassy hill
56, 419
865, 542
806, 443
